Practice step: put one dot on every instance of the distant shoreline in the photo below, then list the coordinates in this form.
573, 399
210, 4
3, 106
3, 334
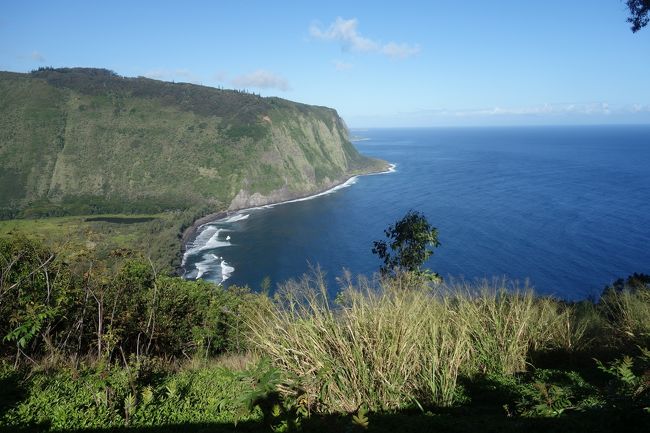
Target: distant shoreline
191, 232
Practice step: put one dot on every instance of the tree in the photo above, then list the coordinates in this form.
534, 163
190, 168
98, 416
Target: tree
639, 10
410, 243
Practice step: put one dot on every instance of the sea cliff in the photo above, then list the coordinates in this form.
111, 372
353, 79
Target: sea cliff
84, 141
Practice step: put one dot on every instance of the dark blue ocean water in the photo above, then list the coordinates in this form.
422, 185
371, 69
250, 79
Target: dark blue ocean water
567, 208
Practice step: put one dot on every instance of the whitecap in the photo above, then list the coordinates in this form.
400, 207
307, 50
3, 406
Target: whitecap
345, 184
208, 239
204, 266
213, 264
214, 242
226, 270
392, 168
235, 218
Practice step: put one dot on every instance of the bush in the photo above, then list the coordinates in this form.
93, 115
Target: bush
549, 393
106, 396
111, 309
37, 291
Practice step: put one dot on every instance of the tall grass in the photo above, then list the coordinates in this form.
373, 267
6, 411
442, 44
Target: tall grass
628, 312
362, 352
505, 322
393, 344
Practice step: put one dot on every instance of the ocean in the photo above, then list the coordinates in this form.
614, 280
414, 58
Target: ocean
566, 209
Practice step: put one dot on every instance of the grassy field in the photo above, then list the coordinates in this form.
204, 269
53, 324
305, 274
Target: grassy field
155, 235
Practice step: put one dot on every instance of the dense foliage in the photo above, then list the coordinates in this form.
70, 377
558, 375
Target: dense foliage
639, 10
109, 309
410, 243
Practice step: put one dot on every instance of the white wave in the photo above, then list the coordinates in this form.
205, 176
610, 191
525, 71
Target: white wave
392, 168
204, 266
214, 242
235, 218
213, 263
226, 270
208, 239
205, 235
345, 184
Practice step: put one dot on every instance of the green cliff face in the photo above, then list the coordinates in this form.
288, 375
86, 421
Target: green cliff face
78, 141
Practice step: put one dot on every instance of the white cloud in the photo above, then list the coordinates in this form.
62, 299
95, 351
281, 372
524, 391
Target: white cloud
345, 32
182, 74
534, 114
543, 114
261, 79
37, 56
639, 108
400, 51
157, 74
597, 108
340, 65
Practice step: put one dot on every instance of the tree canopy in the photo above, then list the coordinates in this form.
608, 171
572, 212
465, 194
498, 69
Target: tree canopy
410, 243
639, 10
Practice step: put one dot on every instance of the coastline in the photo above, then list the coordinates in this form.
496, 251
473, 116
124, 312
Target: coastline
190, 233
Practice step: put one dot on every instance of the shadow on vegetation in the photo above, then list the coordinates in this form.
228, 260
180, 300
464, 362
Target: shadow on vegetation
11, 391
464, 419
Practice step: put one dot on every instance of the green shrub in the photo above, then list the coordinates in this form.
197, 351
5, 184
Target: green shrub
113, 396
112, 308
278, 397
629, 384
37, 291
549, 393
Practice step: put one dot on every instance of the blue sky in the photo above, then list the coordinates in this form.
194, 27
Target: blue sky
428, 63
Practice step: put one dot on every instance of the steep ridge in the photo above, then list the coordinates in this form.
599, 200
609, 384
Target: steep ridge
81, 141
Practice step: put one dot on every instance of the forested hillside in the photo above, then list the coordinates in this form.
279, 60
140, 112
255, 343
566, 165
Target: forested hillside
83, 141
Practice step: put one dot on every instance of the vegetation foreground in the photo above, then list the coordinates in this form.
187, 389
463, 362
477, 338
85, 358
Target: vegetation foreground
113, 346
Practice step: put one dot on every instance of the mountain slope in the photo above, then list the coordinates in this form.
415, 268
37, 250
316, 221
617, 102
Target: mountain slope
79, 140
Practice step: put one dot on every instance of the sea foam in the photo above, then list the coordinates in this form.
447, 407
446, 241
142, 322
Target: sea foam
235, 218
226, 270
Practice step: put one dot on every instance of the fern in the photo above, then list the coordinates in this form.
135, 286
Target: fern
630, 379
361, 418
